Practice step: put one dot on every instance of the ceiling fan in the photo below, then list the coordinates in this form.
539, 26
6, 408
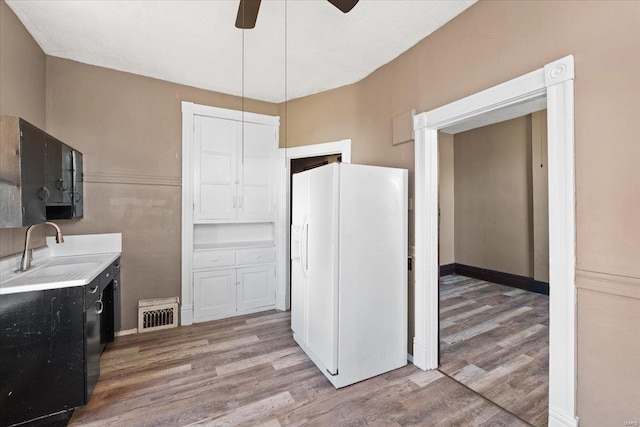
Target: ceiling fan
248, 11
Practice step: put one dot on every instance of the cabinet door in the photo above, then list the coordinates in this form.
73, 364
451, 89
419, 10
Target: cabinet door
93, 342
258, 153
58, 172
59, 179
41, 353
214, 294
33, 158
117, 296
256, 287
215, 168
78, 185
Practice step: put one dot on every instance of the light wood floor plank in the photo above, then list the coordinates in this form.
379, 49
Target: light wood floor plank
249, 371
501, 353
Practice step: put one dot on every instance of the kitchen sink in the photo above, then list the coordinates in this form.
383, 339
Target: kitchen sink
63, 269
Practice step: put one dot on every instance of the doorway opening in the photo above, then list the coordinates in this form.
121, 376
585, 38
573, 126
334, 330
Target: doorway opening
550, 87
493, 289
299, 158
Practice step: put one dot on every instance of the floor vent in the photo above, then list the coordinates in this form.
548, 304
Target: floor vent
159, 313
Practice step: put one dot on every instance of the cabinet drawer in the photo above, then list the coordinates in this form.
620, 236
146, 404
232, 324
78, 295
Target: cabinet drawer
254, 256
208, 259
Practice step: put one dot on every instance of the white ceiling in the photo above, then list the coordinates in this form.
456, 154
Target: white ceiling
196, 43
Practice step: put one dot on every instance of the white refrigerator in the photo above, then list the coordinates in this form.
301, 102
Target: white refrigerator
349, 269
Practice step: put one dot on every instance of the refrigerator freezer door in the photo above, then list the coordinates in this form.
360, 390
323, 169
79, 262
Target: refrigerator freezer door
320, 256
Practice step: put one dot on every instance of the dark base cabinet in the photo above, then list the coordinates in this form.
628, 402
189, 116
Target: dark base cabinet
111, 298
93, 336
50, 346
41, 353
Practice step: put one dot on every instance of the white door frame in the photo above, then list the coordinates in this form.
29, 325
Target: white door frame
511, 99
283, 288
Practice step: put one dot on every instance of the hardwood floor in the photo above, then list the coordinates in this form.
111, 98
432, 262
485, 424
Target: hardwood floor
495, 340
248, 371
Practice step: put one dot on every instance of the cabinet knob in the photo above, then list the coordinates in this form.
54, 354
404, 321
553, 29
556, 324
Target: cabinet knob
94, 290
107, 275
115, 284
44, 193
61, 185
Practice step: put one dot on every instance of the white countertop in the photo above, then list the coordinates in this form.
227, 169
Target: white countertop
76, 264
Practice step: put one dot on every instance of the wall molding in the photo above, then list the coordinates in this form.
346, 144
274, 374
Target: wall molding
499, 277
126, 178
611, 284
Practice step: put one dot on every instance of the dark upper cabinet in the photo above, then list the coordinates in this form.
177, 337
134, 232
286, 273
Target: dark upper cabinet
32, 149
40, 176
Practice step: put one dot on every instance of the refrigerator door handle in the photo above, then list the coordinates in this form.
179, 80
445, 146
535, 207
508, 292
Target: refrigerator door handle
304, 248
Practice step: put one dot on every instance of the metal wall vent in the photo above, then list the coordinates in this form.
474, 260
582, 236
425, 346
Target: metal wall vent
158, 313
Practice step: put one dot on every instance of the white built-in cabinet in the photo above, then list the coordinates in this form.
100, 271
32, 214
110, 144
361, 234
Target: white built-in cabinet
220, 293
233, 169
229, 195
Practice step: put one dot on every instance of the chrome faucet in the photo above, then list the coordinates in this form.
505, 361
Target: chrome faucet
27, 254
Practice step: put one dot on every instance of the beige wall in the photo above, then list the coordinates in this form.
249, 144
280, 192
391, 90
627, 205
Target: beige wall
493, 206
22, 94
609, 337
501, 197
540, 196
22, 71
446, 201
129, 129
481, 48
478, 49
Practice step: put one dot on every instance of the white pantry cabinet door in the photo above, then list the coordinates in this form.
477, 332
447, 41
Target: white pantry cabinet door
256, 287
214, 294
256, 172
215, 168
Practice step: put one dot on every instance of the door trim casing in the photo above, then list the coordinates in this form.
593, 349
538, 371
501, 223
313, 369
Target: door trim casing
285, 155
514, 98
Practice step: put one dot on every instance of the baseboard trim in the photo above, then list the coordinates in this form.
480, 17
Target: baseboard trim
499, 277
540, 287
126, 332
186, 315
447, 269
556, 419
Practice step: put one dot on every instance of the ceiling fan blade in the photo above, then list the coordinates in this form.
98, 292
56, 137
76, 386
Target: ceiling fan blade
344, 5
247, 14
